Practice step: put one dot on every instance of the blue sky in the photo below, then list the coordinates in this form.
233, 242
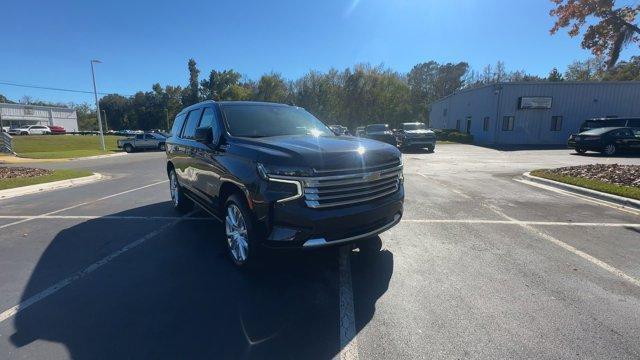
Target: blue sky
50, 43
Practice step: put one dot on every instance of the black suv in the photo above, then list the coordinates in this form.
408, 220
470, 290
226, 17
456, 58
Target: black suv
281, 178
380, 132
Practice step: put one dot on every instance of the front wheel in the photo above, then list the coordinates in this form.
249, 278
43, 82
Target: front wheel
128, 148
430, 148
580, 150
240, 233
609, 150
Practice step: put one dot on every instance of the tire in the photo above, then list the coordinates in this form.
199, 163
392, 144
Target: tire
609, 150
430, 148
128, 148
24, 133
240, 232
370, 245
162, 147
180, 202
580, 151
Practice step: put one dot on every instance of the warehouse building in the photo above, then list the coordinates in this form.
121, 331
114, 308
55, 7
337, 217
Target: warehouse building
16, 115
533, 113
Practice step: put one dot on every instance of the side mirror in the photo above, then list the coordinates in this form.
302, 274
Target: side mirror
204, 135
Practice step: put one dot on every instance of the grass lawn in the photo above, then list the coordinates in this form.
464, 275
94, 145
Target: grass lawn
56, 176
626, 191
62, 146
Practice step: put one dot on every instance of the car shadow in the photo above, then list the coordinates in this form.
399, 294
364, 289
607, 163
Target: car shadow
177, 295
416, 151
599, 155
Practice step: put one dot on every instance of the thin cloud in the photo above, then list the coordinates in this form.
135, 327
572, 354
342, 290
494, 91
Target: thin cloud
351, 8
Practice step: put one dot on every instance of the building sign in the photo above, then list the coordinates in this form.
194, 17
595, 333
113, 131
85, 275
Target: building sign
535, 102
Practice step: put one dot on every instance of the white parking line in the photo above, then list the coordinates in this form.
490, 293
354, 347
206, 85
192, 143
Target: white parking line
82, 273
82, 204
100, 217
568, 247
348, 340
519, 222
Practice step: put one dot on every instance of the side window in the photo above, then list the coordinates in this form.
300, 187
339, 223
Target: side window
556, 123
634, 123
485, 125
189, 130
508, 122
209, 119
139, 136
177, 124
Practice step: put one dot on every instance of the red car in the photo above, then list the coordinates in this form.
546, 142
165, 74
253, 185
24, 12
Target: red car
57, 130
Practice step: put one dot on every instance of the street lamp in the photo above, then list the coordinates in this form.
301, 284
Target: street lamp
95, 94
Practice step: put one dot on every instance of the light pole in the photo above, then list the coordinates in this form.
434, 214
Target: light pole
95, 94
106, 123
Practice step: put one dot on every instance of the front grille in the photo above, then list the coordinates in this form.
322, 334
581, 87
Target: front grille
356, 187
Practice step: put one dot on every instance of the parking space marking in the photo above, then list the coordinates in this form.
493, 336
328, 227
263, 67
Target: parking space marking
100, 217
84, 272
82, 204
519, 222
581, 197
348, 340
568, 247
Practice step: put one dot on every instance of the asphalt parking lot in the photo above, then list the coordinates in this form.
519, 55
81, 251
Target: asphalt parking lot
482, 265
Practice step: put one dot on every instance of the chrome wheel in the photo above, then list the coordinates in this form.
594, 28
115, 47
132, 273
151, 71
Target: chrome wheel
237, 238
610, 149
173, 188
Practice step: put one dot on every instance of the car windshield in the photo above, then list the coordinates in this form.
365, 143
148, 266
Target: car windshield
263, 120
416, 126
377, 127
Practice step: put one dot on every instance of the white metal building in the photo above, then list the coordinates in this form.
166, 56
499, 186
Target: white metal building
14, 115
533, 112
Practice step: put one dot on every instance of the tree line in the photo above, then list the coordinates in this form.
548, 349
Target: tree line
356, 96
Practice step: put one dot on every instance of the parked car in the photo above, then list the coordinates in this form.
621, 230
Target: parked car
143, 142
280, 178
57, 130
415, 135
607, 140
339, 130
30, 130
610, 122
360, 131
380, 132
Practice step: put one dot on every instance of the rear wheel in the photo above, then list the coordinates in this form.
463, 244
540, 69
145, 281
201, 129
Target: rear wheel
24, 133
580, 150
430, 148
128, 148
162, 147
180, 202
609, 150
240, 232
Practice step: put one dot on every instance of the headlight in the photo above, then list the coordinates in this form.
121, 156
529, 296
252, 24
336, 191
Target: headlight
267, 171
282, 189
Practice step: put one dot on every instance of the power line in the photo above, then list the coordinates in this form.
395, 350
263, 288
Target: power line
51, 88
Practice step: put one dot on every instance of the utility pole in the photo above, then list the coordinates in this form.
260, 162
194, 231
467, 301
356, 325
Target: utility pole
95, 94
106, 123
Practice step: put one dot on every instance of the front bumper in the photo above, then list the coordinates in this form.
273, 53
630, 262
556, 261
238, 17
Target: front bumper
418, 142
294, 225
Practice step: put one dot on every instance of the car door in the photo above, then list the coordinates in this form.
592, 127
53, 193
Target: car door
206, 156
186, 167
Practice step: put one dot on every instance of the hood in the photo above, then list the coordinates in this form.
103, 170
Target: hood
321, 153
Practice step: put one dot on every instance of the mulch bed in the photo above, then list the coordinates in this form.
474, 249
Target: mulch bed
625, 175
22, 172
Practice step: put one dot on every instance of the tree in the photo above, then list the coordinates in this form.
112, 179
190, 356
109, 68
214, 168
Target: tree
615, 28
555, 75
624, 71
191, 94
4, 100
219, 84
272, 88
588, 70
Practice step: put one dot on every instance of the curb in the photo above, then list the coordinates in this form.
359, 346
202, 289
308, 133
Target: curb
37, 188
619, 200
99, 156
